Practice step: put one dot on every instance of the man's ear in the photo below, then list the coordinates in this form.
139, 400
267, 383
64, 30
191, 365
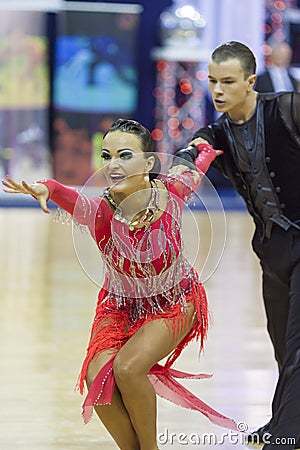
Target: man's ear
251, 81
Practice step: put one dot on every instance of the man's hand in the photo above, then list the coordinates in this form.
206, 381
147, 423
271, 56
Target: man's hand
198, 141
181, 168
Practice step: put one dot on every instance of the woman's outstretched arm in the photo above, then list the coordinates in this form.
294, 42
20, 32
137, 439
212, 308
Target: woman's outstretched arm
86, 210
38, 190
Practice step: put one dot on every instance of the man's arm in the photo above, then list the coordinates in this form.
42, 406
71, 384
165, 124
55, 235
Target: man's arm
186, 156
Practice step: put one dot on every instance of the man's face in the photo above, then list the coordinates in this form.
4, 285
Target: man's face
228, 87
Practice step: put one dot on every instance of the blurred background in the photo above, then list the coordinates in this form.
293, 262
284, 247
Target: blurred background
68, 69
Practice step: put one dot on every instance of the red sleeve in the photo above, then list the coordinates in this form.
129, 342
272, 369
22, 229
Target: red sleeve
205, 157
185, 183
86, 210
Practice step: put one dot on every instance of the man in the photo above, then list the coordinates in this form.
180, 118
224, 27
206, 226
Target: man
260, 137
277, 77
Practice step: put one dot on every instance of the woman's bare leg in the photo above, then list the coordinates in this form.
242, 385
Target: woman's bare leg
152, 342
114, 417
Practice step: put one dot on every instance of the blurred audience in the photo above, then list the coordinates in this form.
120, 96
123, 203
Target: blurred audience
277, 77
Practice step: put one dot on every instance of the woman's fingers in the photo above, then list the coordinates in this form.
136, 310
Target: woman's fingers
12, 186
12, 191
30, 189
37, 190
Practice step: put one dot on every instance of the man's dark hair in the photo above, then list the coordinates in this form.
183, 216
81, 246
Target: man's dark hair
236, 50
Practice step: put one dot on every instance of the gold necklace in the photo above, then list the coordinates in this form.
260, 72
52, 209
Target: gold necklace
148, 216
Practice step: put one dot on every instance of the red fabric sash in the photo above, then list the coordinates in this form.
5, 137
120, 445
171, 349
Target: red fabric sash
165, 385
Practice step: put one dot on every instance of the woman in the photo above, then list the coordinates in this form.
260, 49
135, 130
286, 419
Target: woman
152, 302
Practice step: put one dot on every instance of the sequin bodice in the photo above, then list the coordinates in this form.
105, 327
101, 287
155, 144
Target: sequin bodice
147, 266
145, 269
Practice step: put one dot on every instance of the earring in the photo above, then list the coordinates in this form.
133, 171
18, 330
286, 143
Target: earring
146, 177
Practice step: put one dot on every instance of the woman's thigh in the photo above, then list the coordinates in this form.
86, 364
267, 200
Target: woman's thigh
97, 363
154, 341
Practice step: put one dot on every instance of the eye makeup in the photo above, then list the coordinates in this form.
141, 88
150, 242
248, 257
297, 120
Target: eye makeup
126, 154
105, 155
123, 154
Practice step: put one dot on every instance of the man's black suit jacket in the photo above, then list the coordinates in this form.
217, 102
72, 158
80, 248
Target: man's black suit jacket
264, 83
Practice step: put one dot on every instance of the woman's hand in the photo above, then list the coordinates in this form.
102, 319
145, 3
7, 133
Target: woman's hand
180, 169
38, 190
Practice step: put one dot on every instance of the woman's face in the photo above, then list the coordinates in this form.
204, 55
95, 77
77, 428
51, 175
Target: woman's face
124, 162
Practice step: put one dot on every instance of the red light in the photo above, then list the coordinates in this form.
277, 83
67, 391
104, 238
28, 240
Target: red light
185, 86
166, 74
157, 92
276, 18
201, 75
188, 123
162, 65
173, 123
268, 61
173, 111
266, 49
157, 134
279, 5
169, 93
173, 133
268, 29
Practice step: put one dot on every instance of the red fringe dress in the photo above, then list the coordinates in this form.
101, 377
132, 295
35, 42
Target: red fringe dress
147, 277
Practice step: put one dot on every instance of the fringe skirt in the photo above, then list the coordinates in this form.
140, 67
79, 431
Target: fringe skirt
113, 327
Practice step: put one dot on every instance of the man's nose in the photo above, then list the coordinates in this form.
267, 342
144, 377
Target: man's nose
218, 88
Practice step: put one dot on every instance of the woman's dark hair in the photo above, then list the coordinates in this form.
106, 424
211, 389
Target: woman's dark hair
144, 135
236, 50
